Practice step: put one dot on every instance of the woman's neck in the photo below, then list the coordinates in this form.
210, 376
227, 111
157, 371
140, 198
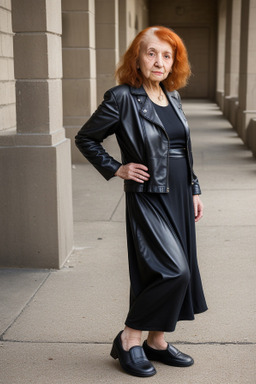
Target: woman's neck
155, 93
153, 87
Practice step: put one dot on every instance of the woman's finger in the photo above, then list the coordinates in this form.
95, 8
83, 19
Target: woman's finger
133, 171
139, 166
140, 175
140, 169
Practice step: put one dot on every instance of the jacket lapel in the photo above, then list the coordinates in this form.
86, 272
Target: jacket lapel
148, 111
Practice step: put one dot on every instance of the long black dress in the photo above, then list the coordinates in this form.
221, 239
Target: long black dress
165, 280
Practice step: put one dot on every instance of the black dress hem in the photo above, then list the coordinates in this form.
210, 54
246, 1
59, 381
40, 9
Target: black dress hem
157, 329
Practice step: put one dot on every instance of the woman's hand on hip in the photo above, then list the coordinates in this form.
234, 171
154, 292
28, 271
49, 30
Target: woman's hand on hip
133, 171
198, 207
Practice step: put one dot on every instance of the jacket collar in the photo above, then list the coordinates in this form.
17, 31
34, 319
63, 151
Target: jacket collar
141, 91
147, 110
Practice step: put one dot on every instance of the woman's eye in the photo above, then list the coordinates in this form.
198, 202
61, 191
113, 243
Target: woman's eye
151, 54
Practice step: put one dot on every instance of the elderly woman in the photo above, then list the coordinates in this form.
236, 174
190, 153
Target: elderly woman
162, 195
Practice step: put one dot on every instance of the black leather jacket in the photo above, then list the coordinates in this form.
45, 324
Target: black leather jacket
128, 113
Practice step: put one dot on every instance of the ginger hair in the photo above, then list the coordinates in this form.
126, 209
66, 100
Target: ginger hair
128, 73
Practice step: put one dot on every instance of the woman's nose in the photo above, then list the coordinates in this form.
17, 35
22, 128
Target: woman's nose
159, 61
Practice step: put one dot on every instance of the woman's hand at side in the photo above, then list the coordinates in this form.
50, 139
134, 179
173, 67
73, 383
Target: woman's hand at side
133, 171
198, 207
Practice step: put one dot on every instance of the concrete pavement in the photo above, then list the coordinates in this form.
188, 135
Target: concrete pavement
58, 326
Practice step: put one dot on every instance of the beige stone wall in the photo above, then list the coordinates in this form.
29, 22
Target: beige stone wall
79, 66
107, 44
137, 15
247, 74
221, 43
133, 17
232, 56
232, 46
7, 83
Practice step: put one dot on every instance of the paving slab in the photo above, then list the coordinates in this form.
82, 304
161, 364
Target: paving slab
23, 363
222, 206
92, 289
233, 206
229, 179
17, 286
89, 234
95, 199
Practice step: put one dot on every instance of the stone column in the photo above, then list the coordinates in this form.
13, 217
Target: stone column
107, 44
221, 53
122, 26
247, 80
36, 228
79, 67
7, 83
133, 17
232, 58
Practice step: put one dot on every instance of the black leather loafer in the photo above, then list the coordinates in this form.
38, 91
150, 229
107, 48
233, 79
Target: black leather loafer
134, 361
169, 356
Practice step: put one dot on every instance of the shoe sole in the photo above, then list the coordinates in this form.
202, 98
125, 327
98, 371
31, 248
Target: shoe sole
173, 364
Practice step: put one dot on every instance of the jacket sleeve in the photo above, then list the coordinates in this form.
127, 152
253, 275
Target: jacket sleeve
103, 123
196, 190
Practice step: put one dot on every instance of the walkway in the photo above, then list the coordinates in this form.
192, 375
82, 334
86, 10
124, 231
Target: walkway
57, 326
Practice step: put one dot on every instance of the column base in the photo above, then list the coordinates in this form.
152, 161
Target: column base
230, 105
244, 119
251, 136
36, 227
220, 99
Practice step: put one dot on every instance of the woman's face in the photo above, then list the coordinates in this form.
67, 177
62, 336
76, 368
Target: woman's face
155, 59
